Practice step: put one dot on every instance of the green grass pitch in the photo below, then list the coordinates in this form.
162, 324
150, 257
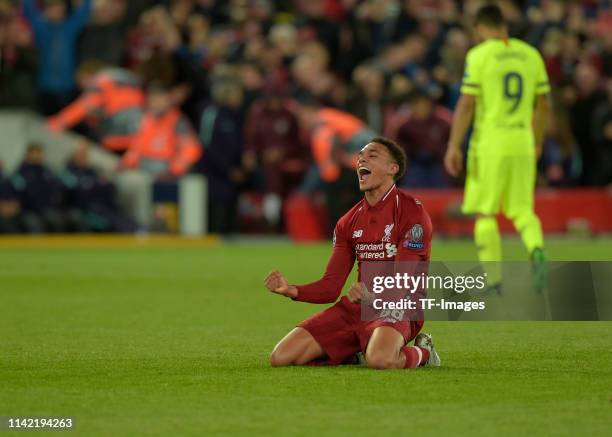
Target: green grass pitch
175, 341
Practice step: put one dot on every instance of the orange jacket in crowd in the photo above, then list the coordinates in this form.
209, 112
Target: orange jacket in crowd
112, 104
167, 138
333, 132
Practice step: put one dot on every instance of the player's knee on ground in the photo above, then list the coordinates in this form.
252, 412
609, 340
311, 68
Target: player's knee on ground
295, 349
288, 355
380, 361
281, 357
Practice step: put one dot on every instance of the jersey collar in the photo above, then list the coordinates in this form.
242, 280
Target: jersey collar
389, 195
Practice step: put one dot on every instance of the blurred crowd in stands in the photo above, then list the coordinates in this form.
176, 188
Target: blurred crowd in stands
273, 97
79, 199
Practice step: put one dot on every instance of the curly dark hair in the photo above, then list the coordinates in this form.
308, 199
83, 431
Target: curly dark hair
396, 152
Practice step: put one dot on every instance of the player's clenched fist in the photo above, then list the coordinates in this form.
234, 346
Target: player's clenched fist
276, 283
358, 293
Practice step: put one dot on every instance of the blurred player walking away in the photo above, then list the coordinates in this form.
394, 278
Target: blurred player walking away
385, 217
505, 94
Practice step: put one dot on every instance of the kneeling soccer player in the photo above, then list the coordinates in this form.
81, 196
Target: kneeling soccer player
386, 218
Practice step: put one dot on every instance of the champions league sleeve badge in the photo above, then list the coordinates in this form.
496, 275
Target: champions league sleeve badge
414, 238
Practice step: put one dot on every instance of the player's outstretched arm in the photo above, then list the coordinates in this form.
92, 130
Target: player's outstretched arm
277, 283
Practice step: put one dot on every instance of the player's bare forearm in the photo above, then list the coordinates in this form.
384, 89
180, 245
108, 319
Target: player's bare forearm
540, 119
462, 119
453, 161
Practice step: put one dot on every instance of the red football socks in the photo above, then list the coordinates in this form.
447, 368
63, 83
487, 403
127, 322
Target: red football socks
415, 356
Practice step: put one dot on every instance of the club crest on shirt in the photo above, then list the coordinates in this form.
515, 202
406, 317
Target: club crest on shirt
387, 237
414, 238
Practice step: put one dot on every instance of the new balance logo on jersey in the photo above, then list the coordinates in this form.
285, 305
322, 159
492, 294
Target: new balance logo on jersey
358, 233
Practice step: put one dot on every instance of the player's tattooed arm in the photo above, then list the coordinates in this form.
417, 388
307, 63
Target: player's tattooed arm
277, 283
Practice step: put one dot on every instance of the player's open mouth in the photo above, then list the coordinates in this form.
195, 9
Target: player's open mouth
364, 173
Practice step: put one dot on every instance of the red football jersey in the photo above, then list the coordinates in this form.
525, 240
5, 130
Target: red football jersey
397, 228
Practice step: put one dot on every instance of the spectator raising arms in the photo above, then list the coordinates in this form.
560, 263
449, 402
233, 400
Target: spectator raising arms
360, 60
56, 35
